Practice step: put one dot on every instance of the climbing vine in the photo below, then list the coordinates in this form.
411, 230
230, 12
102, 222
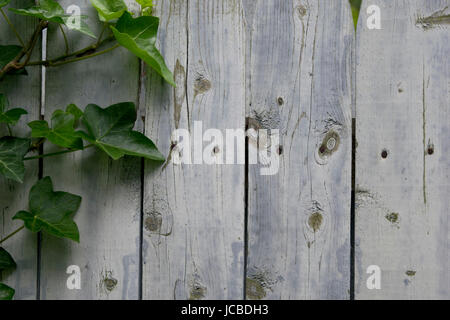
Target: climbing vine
71, 129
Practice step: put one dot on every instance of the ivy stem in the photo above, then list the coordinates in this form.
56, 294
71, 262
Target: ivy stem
9, 129
66, 42
15, 64
52, 62
105, 26
84, 57
56, 153
33, 41
82, 51
36, 145
12, 234
12, 27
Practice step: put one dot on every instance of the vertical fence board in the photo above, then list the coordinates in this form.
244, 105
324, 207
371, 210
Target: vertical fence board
24, 92
402, 108
300, 83
109, 216
194, 214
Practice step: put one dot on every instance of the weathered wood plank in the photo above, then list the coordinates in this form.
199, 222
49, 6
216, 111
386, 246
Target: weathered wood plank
24, 92
194, 214
109, 216
403, 96
299, 75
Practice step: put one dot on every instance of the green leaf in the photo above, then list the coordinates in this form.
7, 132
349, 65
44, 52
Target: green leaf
145, 3
48, 10
10, 116
75, 111
139, 36
110, 129
109, 9
6, 293
356, 7
147, 11
52, 11
4, 3
147, 6
62, 132
82, 27
7, 54
6, 260
51, 211
12, 152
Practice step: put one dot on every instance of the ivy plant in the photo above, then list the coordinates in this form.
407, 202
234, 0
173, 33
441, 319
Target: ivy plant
72, 129
356, 8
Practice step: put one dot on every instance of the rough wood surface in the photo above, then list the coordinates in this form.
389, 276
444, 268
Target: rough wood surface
299, 81
194, 214
402, 195
23, 92
109, 216
178, 231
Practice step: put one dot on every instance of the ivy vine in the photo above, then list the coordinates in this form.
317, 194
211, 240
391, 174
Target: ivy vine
109, 129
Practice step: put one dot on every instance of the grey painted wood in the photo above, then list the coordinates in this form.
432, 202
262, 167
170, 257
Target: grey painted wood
299, 81
194, 214
403, 96
22, 92
109, 216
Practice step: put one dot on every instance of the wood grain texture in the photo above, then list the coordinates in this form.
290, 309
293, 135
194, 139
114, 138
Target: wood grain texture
23, 92
299, 82
402, 202
194, 214
109, 216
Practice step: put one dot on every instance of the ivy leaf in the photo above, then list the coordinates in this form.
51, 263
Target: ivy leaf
62, 132
52, 11
147, 11
48, 10
109, 9
6, 260
145, 3
51, 211
139, 36
6, 293
146, 6
11, 116
12, 152
75, 111
7, 54
4, 3
82, 26
110, 129
356, 7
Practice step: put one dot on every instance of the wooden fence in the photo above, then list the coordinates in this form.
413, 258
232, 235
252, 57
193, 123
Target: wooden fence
379, 97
